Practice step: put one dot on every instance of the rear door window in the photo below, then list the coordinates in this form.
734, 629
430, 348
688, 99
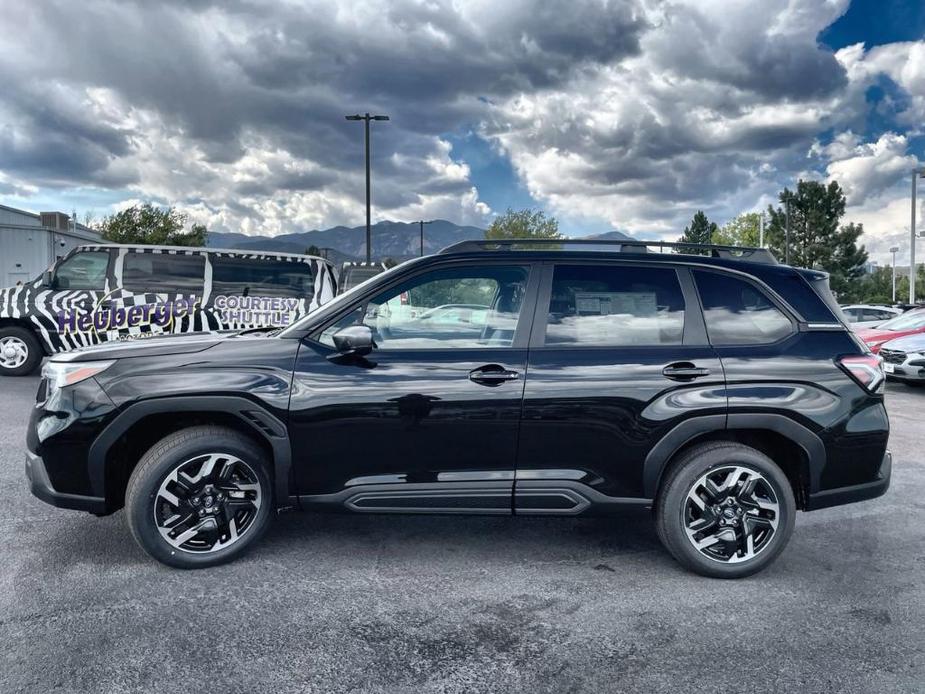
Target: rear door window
738, 313
180, 273
615, 305
262, 277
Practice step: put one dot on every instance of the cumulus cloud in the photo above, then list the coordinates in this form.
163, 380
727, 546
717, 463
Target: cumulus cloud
637, 112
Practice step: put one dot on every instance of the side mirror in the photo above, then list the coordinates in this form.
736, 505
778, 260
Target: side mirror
48, 279
354, 341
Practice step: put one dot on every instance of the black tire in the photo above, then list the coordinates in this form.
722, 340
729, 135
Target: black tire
141, 494
34, 352
672, 508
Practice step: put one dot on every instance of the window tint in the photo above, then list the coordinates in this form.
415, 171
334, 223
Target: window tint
615, 305
84, 270
452, 308
261, 276
737, 313
163, 272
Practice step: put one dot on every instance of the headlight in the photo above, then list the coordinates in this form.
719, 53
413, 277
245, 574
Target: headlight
60, 374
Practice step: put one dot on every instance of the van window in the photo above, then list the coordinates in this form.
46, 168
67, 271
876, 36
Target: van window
182, 273
84, 270
262, 276
615, 305
738, 313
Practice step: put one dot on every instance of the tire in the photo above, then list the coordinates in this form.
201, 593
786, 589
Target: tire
766, 514
169, 471
20, 351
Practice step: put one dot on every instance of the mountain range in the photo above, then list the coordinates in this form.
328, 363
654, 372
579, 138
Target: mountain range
396, 240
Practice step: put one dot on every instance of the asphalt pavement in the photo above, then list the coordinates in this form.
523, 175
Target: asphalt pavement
341, 603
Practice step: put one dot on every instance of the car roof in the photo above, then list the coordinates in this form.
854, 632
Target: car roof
202, 249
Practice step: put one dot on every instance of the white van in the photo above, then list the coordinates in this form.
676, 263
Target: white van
110, 292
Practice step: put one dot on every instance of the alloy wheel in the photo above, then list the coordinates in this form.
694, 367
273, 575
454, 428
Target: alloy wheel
13, 352
731, 514
207, 503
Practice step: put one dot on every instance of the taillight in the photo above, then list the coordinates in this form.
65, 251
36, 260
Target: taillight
863, 368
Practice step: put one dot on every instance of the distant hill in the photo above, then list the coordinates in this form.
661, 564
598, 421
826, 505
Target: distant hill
396, 240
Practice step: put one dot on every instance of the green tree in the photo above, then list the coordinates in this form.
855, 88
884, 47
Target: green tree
523, 224
701, 230
313, 250
816, 237
152, 225
744, 230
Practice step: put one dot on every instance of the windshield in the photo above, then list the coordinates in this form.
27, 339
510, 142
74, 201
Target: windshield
340, 300
907, 321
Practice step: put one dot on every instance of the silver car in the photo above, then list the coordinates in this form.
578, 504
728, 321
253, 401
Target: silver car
904, 358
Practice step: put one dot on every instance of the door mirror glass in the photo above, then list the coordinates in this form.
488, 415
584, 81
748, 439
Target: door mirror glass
354, 341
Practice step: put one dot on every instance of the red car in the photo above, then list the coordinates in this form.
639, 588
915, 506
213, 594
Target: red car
909, 323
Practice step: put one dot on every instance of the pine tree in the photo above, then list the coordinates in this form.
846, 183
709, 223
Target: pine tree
701, 230
816, 238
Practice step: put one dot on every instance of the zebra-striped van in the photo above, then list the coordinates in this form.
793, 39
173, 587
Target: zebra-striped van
101, 293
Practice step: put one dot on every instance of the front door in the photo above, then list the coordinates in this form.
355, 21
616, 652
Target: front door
619, 357
429, 420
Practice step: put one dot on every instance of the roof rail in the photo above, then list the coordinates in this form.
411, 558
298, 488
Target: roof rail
754, 255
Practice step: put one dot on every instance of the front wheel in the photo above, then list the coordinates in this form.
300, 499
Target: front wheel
725, 510
20, 351
199, 497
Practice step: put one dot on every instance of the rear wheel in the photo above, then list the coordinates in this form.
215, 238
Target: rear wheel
20, 351
199, 497
725, 510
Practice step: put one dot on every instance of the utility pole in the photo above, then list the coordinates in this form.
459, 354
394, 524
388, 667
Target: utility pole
915, 176
366, 118
422, 223
893, 251
787, 232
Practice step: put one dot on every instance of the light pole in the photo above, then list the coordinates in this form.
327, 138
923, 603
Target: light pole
366, 118
893, 251
787, 232
422, 223
916, 173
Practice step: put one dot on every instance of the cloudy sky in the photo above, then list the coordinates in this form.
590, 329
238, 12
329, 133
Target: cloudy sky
629, 114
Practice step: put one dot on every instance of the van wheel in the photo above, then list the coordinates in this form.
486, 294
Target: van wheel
725, 510
199, 497
20, 351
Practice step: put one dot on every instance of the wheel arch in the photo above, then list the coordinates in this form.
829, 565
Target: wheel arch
796, 449
116, 451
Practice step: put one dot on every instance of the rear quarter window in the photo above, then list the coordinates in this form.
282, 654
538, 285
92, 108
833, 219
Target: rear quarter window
262, 276
737, 312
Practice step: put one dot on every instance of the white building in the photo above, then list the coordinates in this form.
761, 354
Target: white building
30, 243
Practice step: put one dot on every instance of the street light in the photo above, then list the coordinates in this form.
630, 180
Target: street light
422, 223
366, 118
916, 173
893, 251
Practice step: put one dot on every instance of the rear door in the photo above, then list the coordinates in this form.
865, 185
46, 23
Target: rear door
618, 358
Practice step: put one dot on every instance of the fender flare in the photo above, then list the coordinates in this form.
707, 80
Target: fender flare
690, 429
252, 414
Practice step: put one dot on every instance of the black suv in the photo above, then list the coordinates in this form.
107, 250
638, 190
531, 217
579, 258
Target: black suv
716, 387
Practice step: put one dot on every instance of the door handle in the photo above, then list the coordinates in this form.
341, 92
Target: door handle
684, 371
492, 375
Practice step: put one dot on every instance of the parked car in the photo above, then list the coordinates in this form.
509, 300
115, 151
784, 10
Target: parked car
904, 359
723, 393
860, 316
353, 274
113, 292
910, 323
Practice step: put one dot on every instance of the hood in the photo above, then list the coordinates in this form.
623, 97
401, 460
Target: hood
875, 335
145, 347
909, 343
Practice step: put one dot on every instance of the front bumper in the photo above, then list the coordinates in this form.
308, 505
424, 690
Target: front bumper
40, 486
857, 492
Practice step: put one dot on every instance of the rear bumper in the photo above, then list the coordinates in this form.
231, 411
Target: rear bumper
857, 492
40, 486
